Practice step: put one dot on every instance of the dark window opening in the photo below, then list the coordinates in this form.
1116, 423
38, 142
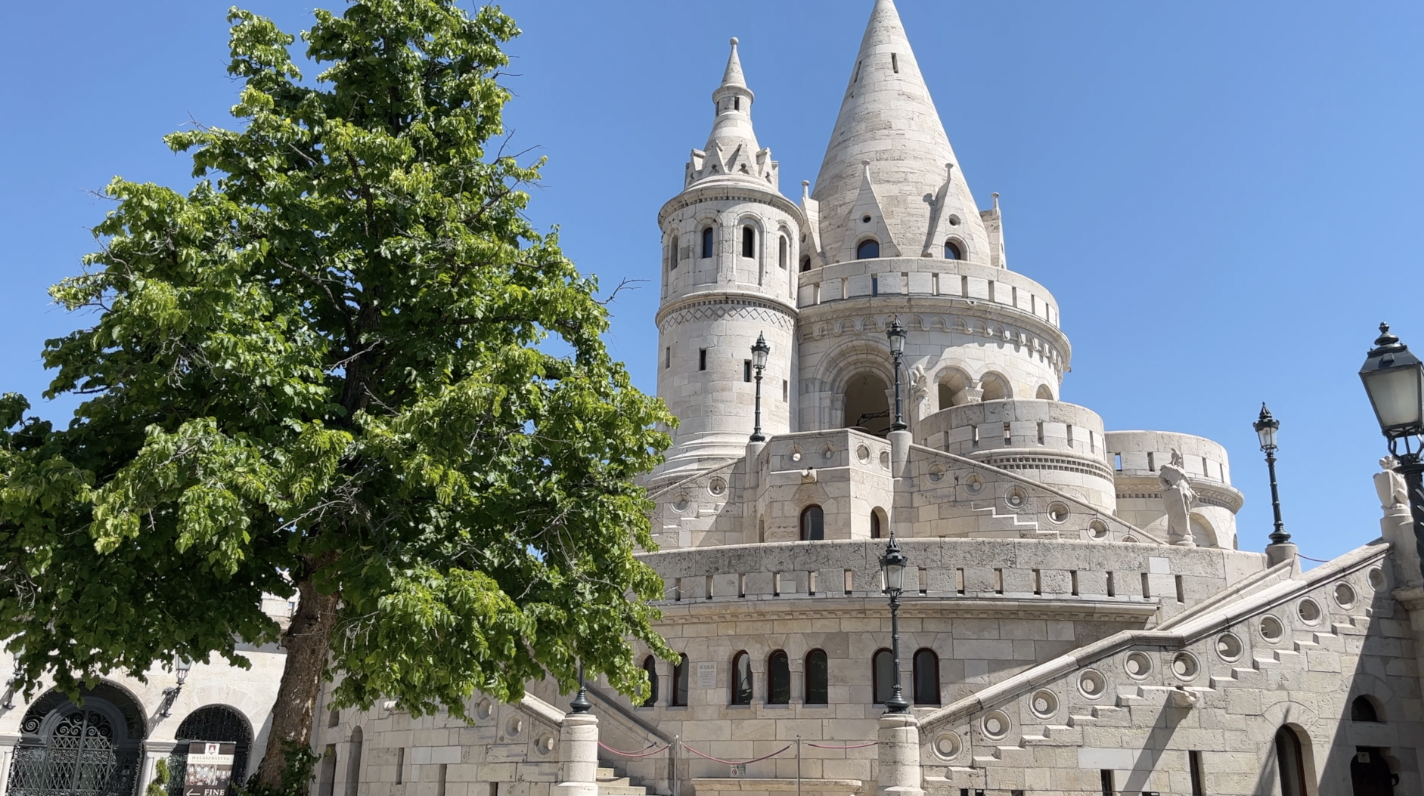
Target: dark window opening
650, 667
707, 242
736, 103
867, 250
742, 679
778, 679
818, 678
748, 242
1362, 709
952, 251
1194, 760
1290, 761
701, 359
874, 524
895, 63
883, 674
926, 664
672, 254
747, 370
805, 264
813, 524
679, 682
781, 252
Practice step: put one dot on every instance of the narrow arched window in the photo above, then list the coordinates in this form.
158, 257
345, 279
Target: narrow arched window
748, 242
1290, 762
952, 251
650, 668
353, 764
818, 678
707, 243
867, 249
778, 679
883, 674
781, 250
926, 677
672, 254
742, 679
875, 530
813, 524
805, 264
1362, 709
679, 682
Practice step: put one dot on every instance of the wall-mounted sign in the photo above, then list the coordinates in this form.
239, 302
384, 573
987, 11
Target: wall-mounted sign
706, 674
209, 768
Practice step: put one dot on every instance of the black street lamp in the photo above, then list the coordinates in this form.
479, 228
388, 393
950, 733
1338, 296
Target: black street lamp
759, 352
893, 567
1394, 380
581, 703
1266, 428
896, 333
181, 667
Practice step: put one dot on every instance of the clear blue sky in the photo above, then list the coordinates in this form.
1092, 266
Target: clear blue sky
1225, 197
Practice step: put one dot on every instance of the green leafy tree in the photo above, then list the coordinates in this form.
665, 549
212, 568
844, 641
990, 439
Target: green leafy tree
343, 365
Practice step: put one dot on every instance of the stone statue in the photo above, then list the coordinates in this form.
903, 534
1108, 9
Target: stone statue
1177, 499
1177, 460
1389, 484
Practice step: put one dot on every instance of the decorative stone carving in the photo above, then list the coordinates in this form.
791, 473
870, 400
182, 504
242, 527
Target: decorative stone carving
1389, 484
1177, 500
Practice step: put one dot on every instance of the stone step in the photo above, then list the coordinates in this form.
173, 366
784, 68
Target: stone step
605, 772
621, 790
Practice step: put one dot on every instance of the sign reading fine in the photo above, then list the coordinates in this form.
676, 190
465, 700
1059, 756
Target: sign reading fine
209, 768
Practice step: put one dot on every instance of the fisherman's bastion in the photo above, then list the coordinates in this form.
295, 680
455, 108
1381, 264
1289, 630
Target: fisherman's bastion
857, 364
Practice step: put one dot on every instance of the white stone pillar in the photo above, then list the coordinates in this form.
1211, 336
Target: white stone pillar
1397, 528
578, 756
900, 442
899, 774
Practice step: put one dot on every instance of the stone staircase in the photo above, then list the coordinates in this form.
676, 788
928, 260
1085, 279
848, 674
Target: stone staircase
610, 784
993, 525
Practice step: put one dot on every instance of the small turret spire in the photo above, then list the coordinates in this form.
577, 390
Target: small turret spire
732, 151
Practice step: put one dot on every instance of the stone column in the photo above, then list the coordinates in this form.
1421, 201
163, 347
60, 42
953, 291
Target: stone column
899, 756
578, 756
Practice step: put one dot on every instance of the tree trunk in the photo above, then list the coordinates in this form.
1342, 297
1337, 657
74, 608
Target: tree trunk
306, 641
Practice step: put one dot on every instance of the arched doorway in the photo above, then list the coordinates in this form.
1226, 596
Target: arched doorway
866, 405
1290, 762
214, 723
69, 750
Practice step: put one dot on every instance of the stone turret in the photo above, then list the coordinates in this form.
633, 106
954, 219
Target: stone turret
730, 243
890, 172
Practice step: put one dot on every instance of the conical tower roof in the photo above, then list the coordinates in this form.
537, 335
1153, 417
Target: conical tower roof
732, 151
888, 121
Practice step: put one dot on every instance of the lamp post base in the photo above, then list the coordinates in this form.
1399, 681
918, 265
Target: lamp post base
1282, 551
899, 775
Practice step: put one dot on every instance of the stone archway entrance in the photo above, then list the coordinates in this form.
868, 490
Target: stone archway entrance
69, 750
866, 404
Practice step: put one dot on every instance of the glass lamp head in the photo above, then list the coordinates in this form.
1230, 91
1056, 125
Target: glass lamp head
1394, 381
893, 566
896, 334
1266, 428
760, 351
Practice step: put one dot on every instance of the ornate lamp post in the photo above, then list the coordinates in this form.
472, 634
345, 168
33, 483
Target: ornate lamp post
581, 703
1266, 428
759, 352
181, 667
896, 333
893, 566
1394, 380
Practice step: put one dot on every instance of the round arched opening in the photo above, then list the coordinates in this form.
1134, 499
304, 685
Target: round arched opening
868, 249
212, 724
1045, 393
953, 389
866, 404
996, 387
953, 251
92, 750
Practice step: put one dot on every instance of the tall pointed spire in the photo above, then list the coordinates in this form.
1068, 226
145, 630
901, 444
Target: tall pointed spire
732, 151
889, 119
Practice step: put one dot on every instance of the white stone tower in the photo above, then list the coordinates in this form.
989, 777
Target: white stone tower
729, 253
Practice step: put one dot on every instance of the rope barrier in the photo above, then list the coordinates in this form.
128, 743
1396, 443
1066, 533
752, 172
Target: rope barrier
852, 746
1316, 560
620, 753
736, 762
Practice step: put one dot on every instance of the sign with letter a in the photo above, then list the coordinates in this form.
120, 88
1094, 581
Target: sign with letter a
209, 768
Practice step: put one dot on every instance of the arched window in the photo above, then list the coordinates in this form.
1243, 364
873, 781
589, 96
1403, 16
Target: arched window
748, 241
650, 667
805, 263
707, 243
883, 674
926, 677
741, 679
778, 679
813, 524
1363, 709
1290, 761
211, 723
952, 251
995, 387
875, 529
1045, 393
867, 249
818, 678
781, 252
353, 764
672, 254
679, 683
